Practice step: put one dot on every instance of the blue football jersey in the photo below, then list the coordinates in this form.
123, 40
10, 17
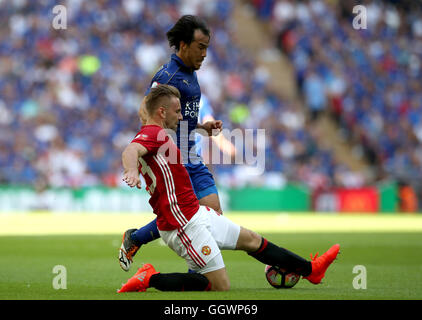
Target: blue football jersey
176, 73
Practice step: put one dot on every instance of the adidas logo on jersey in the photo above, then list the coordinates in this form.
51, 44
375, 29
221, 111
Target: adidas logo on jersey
141, 136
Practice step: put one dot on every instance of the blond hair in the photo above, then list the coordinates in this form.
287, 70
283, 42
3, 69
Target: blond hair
157, 94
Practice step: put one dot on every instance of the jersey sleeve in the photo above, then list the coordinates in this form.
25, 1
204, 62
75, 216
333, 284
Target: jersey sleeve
151, 138
161, 77
205, 109
153, 83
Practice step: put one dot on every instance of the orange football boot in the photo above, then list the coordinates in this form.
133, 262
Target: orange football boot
140, 281
321, 264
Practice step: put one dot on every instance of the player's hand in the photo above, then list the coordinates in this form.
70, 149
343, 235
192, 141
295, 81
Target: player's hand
213, 127
131, 177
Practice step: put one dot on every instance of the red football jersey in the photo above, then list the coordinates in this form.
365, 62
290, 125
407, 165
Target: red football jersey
172, 197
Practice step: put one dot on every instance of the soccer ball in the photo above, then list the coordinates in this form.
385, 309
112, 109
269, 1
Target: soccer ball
279, 278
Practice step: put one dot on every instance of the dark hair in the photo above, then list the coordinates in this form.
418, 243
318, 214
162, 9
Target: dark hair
156, 94
184, 30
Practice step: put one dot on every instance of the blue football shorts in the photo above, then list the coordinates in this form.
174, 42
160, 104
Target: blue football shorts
202, 180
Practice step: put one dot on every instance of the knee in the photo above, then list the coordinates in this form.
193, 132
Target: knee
221, 286
217, 208
212, 201
254, 242
248, 241
219, 280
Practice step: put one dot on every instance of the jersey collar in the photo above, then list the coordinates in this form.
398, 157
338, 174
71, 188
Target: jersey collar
180, 63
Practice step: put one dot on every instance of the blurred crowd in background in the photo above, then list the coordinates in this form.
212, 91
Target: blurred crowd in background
368, 79
69, 98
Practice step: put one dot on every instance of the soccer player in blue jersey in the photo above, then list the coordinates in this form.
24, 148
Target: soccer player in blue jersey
190, 37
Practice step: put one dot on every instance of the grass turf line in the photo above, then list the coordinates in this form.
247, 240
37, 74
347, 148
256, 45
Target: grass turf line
83, 223
87, 244
392, 262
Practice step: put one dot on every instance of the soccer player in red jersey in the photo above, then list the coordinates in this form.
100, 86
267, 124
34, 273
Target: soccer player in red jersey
190, 38
196, 233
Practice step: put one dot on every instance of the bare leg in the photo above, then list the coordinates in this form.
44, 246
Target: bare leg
219, 280
248, 241
212, 201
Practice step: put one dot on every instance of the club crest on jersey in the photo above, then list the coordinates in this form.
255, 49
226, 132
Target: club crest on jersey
206, 250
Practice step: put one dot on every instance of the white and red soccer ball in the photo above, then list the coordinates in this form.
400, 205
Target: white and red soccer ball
279, 278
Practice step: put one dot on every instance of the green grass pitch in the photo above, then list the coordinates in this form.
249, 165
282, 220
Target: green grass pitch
391, 258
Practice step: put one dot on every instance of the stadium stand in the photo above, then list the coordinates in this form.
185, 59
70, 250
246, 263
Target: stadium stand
69, 98
367, 79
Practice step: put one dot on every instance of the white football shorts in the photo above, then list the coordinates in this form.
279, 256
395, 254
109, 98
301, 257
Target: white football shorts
199, 242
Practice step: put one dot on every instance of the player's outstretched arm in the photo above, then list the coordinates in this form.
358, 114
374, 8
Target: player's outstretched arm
130, 157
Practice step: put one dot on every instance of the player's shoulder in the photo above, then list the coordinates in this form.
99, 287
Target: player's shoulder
166, 73
151, 137
151, 133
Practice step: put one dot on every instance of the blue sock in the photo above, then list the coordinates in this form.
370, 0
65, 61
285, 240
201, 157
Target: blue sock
146, 234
